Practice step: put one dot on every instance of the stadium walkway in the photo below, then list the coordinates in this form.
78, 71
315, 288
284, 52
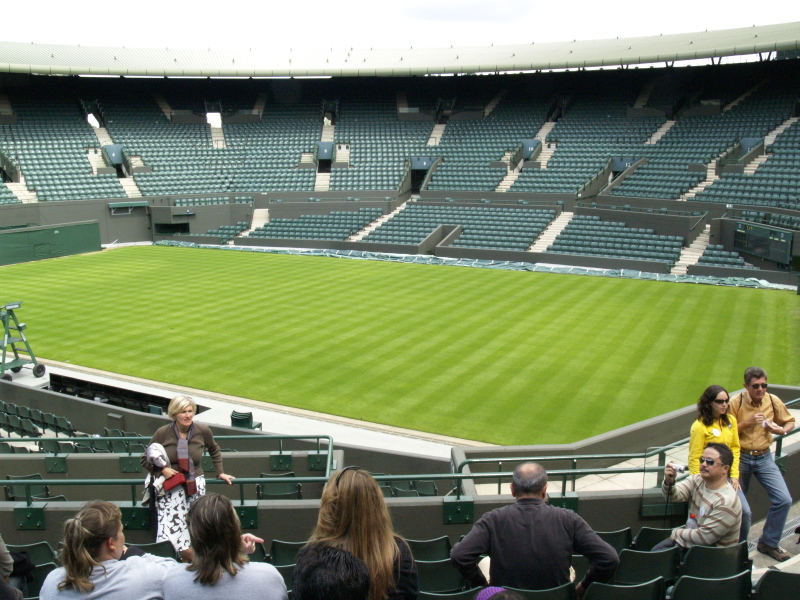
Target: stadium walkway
275, 418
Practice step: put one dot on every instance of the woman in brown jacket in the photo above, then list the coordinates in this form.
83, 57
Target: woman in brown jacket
184, 441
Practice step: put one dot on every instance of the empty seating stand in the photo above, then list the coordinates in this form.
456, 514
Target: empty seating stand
338, 225
587, 234
490, 227
716, 256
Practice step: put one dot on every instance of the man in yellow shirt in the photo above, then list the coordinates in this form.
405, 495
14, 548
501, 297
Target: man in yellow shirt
760, 414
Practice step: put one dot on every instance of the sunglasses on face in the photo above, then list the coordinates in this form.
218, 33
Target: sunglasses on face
723, 401
709, 461
755, 386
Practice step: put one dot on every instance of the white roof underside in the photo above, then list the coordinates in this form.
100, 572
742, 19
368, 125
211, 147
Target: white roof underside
51, 59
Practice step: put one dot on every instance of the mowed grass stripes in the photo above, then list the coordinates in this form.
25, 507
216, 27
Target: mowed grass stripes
503, 357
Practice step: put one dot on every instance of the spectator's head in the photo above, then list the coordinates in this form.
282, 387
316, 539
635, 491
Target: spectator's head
90, 537
182, 410
353, 517
529, 481
713, 405
755, 380
216, 538
327, 573
715, 463
497, 593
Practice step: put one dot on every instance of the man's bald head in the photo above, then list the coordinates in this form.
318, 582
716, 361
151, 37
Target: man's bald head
529, 479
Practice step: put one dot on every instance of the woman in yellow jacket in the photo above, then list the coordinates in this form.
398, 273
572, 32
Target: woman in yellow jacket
714, 424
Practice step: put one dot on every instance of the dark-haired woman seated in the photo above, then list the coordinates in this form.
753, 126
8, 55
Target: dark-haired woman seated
219, 568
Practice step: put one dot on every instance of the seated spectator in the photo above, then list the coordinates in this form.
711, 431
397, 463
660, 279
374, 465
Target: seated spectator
353, 516
219, 567
531, 543
93, 543
327, 573
715, 513
497, 593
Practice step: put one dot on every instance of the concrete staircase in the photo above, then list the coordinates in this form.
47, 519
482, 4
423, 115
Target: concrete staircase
547, 149
511, 176
751, 167
103, 137
551, 232
96, 160
744, 96
342, 154
644, 95
5, 105
307, 158
692, 253
402, 101
711, 177
493, 103
217, 137
659, 133
261, 103
359, 235
130, 186
772, 135
436, 134
260, 218
136, 161
323, 182
327, 133
163, 105
22, 192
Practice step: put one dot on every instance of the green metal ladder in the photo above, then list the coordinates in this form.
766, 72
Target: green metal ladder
14, 335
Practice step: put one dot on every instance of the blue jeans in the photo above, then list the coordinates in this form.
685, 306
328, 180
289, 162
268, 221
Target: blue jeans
747, 516
769, 476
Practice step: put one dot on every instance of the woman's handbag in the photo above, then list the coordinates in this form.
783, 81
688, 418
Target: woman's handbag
174, 481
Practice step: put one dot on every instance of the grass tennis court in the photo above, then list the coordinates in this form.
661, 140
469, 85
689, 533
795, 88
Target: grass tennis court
496, 356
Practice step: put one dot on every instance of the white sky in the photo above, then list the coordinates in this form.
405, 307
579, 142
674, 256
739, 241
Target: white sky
372, 23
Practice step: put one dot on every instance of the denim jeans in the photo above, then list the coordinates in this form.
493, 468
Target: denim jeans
768, 475
747, 516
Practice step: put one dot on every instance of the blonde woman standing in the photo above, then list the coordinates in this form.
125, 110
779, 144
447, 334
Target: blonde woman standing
184, 442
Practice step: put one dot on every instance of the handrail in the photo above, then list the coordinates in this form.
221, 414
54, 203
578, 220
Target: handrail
144, 440
243, 481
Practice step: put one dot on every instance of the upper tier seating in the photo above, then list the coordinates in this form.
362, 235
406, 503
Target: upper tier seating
380, 144
469, 146
49, 143
261, 156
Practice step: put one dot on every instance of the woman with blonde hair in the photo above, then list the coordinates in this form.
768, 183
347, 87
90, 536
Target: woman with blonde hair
219, 568
353, 516
184, 441
93, 543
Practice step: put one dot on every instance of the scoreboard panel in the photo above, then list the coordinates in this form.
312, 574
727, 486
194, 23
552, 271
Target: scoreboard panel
764, 241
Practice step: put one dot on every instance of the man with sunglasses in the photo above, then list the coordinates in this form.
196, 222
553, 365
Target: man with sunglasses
759, 415
715, 513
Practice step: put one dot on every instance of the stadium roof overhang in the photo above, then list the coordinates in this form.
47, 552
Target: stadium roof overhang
51, 59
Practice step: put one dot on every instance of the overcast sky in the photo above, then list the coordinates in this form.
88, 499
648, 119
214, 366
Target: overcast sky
373, 23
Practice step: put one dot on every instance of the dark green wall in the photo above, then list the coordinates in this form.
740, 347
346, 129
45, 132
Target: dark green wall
38, 243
